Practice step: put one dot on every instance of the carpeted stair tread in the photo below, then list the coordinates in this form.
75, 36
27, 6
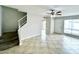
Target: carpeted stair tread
9, 44
9, 35
9, 39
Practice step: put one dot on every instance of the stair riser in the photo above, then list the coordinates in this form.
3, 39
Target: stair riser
8, 40
8, 45
3, 41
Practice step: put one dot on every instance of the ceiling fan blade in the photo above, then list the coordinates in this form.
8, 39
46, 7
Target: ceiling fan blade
59, 13
54, 12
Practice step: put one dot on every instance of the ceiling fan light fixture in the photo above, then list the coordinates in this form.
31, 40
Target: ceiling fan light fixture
55, 12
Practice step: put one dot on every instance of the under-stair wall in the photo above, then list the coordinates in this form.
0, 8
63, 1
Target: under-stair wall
9, 23
10, 18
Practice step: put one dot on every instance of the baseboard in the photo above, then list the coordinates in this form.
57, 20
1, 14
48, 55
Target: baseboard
58, 33
26, 38
30, 36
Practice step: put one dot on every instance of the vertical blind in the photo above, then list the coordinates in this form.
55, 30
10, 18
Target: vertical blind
71, 26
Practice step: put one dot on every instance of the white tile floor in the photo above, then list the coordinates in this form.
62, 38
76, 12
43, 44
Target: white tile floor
51, 44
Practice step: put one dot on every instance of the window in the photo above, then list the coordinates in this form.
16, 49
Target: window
67, 31
75, 26
71, 26
67, 24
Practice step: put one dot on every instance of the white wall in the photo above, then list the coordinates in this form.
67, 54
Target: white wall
31, 28
34, 21
52, 25
9, 20
58, 27
48, 25
0, 21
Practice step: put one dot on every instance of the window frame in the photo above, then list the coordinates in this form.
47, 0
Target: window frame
72, 29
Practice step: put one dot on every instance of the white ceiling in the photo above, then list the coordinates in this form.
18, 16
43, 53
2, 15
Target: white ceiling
41, 9
66, 9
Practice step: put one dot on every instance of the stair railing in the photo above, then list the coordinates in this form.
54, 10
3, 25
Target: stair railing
22, 21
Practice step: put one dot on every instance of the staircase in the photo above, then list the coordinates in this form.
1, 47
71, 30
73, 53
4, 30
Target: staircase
8, 40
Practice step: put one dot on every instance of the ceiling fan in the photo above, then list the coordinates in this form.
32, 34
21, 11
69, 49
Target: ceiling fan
55, 12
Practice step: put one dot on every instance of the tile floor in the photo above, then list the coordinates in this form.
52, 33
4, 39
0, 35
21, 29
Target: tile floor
51, 44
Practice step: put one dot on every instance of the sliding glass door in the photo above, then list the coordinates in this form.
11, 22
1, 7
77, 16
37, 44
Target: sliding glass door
71, 27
